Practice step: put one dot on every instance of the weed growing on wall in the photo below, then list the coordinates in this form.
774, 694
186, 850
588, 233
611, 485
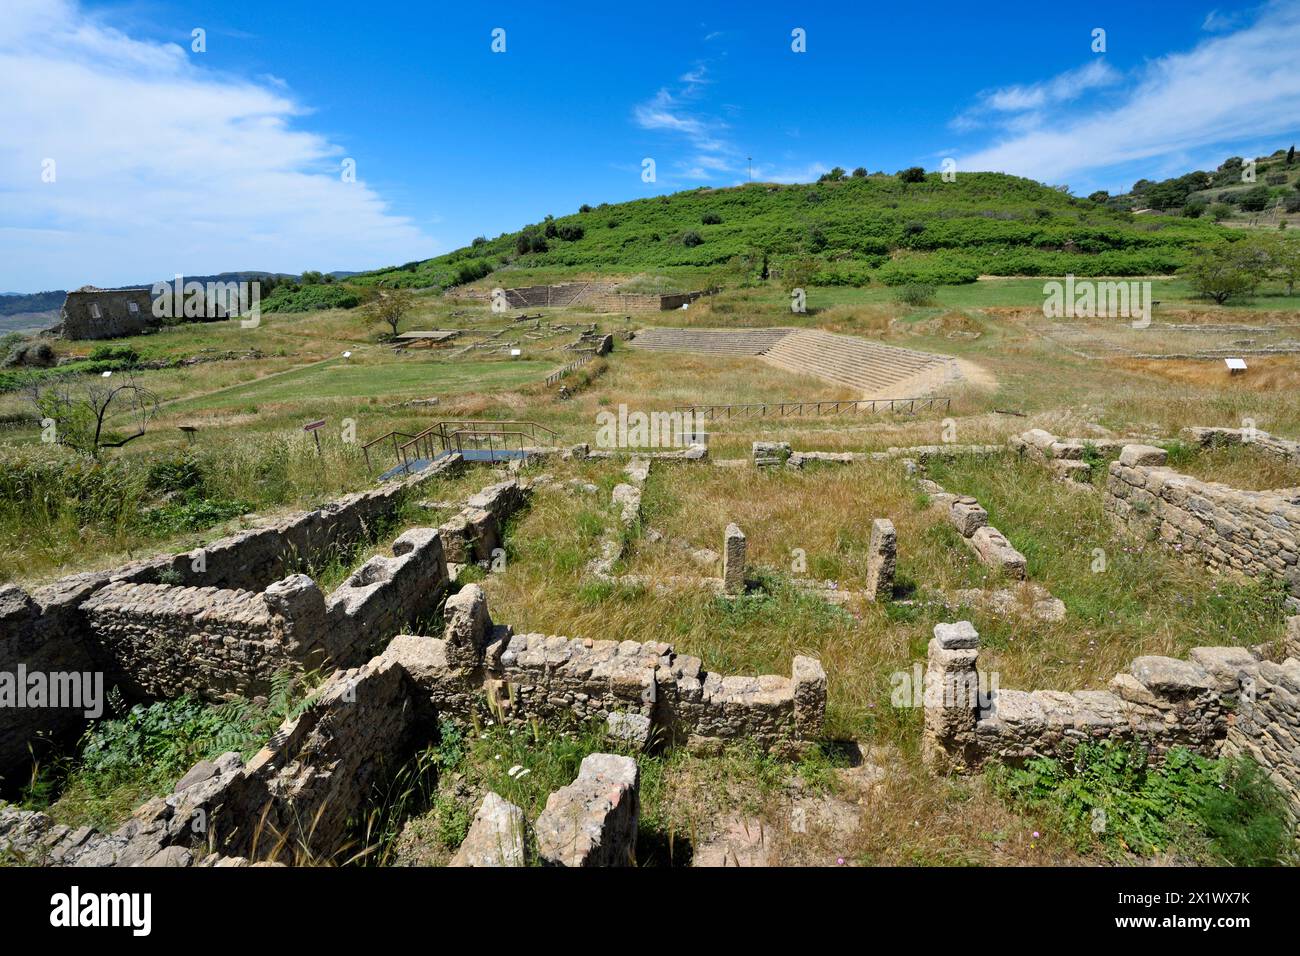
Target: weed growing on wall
1111, 799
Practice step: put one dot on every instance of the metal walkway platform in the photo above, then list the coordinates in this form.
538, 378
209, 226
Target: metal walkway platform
469, 454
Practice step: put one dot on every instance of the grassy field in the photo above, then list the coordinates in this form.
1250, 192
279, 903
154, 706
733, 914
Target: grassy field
60, 512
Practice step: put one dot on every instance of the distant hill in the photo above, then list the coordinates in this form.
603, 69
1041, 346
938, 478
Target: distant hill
14, 303
861, 229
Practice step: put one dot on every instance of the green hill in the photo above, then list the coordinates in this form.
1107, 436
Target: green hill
1270, 190
860, 229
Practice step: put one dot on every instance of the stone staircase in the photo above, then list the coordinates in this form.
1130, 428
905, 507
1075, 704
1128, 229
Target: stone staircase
861, 364
709, 341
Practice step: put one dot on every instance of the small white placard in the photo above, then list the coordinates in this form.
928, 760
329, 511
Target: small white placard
1236, 364
515, 353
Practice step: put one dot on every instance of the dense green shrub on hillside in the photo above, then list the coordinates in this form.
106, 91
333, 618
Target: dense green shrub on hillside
925, 271
310, 298
913, 174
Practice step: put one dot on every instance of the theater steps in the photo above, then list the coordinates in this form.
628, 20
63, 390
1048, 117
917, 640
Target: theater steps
709, 341
869, 367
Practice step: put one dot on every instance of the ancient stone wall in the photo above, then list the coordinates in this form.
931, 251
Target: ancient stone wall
1267, 724
301, 798
41, 640
474, 532
206, 630
1069, 458
1250, 532
550, 677
162, 641
1280, 448
296, 801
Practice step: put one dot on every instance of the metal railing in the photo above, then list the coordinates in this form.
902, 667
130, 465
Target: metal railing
796, 409
391, 436
451, 435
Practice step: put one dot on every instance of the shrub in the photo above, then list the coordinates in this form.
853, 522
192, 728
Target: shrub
915, 294
711, 219
114, 353
570, 232
692, 239
913, 174
1108, 795
310, 298
1254, 199
1219, 211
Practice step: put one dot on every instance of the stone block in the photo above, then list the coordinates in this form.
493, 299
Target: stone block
882, 557
495, 838
593, 821
1144, 455
733, 560
967, 516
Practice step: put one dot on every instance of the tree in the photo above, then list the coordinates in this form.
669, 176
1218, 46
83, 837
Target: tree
80, 411
860, 172
1287, 263
692, 238
1219, 211
1290, 156
391, 306
311, 277
798, 273
1222, 271
1254, 199
834, 176
1278, 258
913, 174
1100, 196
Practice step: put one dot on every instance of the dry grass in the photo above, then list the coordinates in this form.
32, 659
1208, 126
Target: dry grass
1239, 466
1265, 374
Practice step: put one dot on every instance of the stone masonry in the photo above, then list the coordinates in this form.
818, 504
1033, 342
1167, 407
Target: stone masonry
882, 556
1250, 532
1161, 702
733, 561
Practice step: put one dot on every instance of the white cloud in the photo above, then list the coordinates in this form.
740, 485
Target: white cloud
1230, 88
1020, 107
165, 166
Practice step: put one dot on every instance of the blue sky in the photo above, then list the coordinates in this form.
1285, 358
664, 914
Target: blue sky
168, 160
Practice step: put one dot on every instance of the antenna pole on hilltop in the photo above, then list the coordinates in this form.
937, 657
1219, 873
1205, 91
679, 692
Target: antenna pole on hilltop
750, 160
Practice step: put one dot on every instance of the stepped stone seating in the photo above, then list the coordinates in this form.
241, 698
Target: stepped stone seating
710, 341
858, 363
